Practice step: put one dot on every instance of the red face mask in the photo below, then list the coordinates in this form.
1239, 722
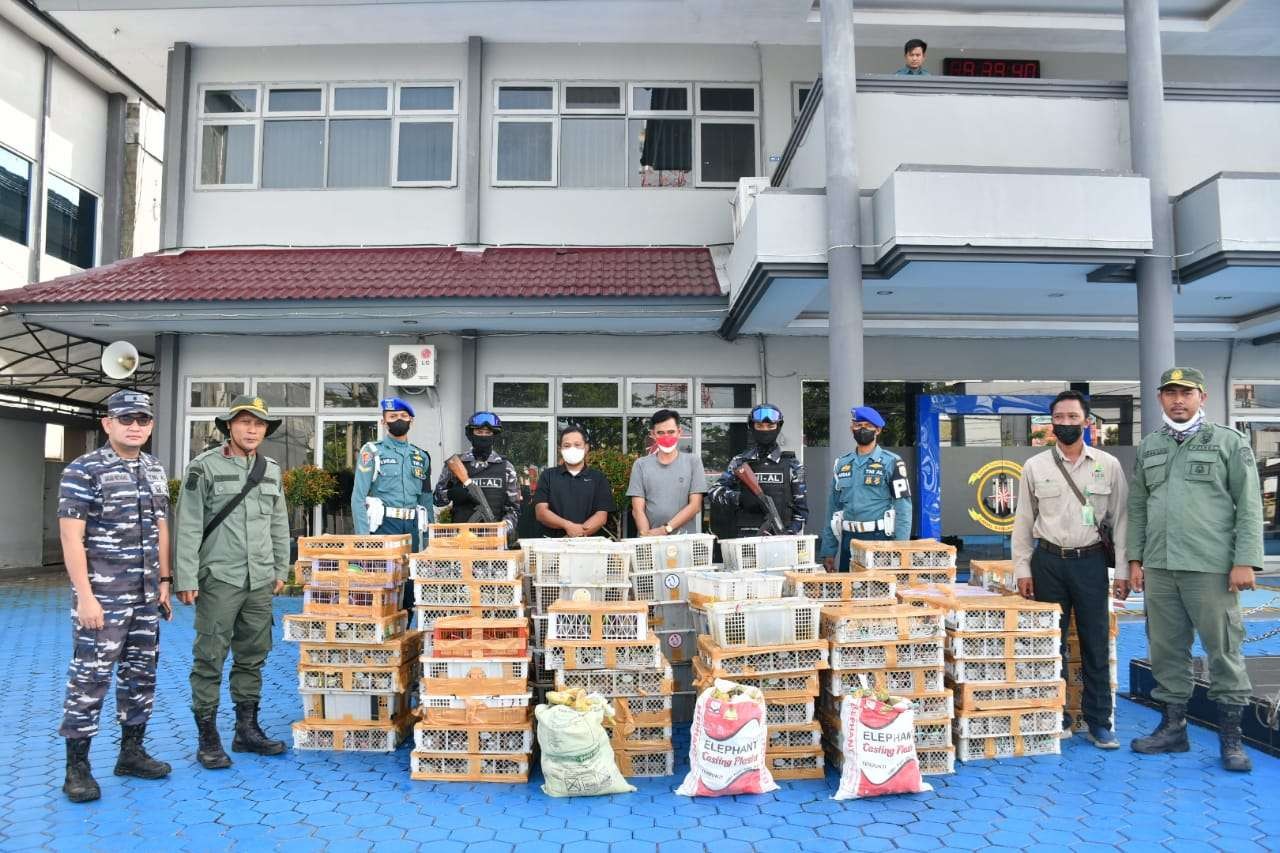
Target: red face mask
668, 442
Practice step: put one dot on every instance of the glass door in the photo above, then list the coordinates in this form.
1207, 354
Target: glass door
340, 441
1264, 437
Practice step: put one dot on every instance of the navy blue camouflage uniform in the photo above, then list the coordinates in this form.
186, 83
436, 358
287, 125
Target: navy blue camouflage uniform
122, 502
781, 477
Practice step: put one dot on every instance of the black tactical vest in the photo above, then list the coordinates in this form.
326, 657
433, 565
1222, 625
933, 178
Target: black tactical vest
775, 481
491, 479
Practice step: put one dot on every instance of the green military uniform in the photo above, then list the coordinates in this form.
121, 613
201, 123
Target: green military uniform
234, 569
1195, 510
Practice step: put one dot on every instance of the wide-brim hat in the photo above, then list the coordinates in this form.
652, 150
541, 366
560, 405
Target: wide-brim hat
254, 406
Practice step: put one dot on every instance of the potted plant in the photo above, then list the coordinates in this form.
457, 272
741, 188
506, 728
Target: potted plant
306, 487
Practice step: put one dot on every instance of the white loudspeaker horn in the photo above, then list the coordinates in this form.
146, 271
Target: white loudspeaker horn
120, 360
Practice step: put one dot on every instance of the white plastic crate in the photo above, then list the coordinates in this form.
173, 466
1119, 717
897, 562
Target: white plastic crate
321, 736
734, 586
545, 595
476, 740
357, 679
910, 554
1007, 746
425, 617
978, 671
936, 761
641, 706
355, 630
998, 696
488, 536
1013, 721
995, 575
468, 667
643, 736
538, 634
596, 563
450, 593
588, 654
617, 682
786, 736
753, 660
781, 712
1003, 646
866, 588
458, 565
572, 620
1004, 614
898, 682
448, 767
661, 585
645, 763
772, 622
769, 552
343, 706
461, 703
932, 733
677, 551
854, 624
887, 655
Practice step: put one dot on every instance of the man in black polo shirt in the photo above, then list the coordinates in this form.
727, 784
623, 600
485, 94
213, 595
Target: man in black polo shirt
572, 499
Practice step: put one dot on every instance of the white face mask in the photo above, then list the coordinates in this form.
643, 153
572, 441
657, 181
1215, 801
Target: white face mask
573, 455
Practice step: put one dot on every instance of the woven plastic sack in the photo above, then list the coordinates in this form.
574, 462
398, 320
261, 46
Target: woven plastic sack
577, 760
879, 748
727, 745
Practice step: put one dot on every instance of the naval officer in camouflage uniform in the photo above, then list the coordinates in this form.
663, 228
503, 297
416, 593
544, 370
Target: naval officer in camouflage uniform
735, 510
1195, 538
112, 505
230, 572
393, 483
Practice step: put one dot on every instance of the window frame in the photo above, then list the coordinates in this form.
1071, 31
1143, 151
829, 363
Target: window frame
1247, 414
688, 380
205, 87
192, 380
755, 100
31, 174
346, 411
553, 110
527, 118
253, 121
658, 84
549, 409
698, 123
97, 220
796, 106
528, 416
400, 85
593, 411
289, 410
188, 421
423, 117
698, 421
724, 380
565, 109
268, 113
331, 104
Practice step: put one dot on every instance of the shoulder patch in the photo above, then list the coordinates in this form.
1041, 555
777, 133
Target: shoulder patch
193, 479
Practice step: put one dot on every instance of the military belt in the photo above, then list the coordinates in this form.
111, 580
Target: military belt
1070, 553
404, 513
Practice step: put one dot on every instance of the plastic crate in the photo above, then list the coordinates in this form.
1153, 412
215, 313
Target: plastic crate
769, 552
706, 587
351, 601
887, 655
771, 622
1075, 674
1038, 644
863, 588
482, 536
662, 585
914, 578
453, 564
469, 637
1013, 721
474, 678
612, 654
794, 737
678, 647
929, 707
448, 767
677, 551
855, 624
538, 633
932, 733
994, 575
396, 652
358, 547
617, 682
1002, 671
761, 660
993, 697
597, 562
1007, 746
453, 710
787, 685
354, 571
645, 763
970, 610
640, 736
781, 712
467, 593
786, 766
937, 761
373, 679
324, 628
645, 710
542, 596
672, 616
344, 737
426, 617
476, 740
573, 620
909, 554
335, 705
907, 682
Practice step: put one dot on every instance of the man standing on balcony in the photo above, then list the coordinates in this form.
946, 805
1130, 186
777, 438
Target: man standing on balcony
1195, 538
914, 52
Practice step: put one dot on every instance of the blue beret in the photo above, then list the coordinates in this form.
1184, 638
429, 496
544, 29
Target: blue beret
395, 404
868, 414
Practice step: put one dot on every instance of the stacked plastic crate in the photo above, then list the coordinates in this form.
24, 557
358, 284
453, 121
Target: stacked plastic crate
476, 723
913, 562
608, 648
1004, 666
357, 661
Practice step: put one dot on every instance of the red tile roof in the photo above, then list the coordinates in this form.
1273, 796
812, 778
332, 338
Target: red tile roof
235, 275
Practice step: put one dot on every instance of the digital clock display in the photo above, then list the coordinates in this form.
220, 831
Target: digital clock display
953, 67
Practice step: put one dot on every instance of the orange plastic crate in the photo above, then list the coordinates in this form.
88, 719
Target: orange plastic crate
472, 637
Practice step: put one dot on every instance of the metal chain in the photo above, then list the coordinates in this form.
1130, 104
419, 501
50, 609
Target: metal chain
1270, 605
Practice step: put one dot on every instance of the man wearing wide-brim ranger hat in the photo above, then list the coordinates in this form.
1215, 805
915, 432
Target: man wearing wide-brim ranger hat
232, 557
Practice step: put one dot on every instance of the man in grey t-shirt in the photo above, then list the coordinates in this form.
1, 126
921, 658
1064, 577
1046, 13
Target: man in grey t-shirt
666, 487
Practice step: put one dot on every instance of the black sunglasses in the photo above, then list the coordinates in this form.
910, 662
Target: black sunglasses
130, 420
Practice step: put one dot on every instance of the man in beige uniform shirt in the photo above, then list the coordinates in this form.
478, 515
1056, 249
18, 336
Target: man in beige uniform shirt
1068, 566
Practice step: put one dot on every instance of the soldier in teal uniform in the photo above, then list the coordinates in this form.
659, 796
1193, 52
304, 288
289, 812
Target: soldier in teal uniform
870, 494
392, 490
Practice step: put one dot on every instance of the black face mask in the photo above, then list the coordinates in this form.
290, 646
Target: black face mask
481, 447
398, 428
765, 438
864, 436
1067, 433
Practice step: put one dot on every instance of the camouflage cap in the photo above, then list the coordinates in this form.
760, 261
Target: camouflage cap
255, 406
1187, 377
126, 402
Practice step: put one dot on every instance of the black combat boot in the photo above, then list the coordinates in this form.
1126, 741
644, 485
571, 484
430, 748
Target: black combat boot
1229, 738
1169, 736
133, 760
249, 735
210, 753
80, 786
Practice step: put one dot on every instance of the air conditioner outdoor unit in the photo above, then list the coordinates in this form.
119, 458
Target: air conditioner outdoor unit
748, 189
411, 366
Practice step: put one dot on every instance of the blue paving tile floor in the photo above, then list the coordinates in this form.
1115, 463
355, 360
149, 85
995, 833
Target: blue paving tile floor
1084, 800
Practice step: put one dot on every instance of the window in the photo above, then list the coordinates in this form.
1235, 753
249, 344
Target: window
424, 152
358, 152
593, 152
55, 437
351, 394
293, 154
15, 196
660, 99
526, 98
414, 98
719, 440
520, 394
654, 394
815, 408
228, 151
590, 395
602, 430
362, 98
638, 435
293, 443
726, 151
71, 226
660, 151
1256, 395
592, 98
295, 100
230, 101
214, 393
525, 441
726, 396
524, 153
202, 434
719, 99
285, 393
799, 94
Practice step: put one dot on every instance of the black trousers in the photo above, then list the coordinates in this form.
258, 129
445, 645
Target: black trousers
1080, 587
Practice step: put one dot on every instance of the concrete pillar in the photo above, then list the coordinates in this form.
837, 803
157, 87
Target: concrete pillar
38, 172
1146, 149
177, 112
167, 440
844, 260
113, 188
473, 117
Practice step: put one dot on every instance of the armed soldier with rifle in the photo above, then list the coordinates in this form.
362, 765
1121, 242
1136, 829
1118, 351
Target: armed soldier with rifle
763, 491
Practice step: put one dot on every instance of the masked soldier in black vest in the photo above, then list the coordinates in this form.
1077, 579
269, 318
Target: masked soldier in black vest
480, 473
736, 511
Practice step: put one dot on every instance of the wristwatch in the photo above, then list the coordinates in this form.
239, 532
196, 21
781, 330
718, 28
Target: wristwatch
166, 579
667, 527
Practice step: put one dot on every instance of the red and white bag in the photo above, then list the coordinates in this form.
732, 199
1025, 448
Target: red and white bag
727, 743
879, 745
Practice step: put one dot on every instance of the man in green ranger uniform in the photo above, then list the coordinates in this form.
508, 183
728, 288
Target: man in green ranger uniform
1195, 538
232, 557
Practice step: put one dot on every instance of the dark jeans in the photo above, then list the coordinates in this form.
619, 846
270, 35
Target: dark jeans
1080, 586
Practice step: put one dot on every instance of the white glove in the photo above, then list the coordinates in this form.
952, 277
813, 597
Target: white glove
423, 519
375, 511
837, 524
889, 516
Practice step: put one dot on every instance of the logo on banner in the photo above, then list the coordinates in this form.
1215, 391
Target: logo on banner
996, 495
